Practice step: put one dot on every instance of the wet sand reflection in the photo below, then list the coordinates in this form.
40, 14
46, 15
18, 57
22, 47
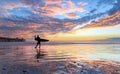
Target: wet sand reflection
39, 53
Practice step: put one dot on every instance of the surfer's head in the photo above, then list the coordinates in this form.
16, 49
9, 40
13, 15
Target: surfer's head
38, 36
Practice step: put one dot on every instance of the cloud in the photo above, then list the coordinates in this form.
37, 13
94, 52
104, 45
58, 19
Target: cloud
82, 4
49, 26
43, 17
50, 2
11, 6
15, 31
33, 3
3, 13
60, 7
87, 34
110, 20
71, 15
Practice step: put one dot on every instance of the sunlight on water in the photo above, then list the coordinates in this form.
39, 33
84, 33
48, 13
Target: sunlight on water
23, 58
85, 51
61, 52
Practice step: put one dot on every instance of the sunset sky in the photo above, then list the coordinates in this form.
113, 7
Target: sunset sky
60, 20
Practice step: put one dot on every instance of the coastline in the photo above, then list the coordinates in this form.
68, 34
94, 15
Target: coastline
7, 39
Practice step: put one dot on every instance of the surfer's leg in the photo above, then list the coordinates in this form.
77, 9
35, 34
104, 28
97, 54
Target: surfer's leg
36, 45
39, 44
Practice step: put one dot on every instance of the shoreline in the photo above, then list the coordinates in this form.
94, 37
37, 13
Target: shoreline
47, 43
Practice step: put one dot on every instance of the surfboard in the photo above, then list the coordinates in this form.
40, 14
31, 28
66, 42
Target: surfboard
42, 40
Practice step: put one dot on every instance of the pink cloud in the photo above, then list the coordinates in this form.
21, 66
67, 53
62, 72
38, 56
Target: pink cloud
47, 2
71, 15
13, 5
61, 7
34, 26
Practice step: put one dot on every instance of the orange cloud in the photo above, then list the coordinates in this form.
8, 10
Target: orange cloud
71, 15
47, 2
51, 10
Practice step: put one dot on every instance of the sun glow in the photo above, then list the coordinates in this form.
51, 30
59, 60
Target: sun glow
87, 34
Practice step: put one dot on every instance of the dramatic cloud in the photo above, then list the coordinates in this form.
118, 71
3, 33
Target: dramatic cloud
48, 18
111, 20
53, 8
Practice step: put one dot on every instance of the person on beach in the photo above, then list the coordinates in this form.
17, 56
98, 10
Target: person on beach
37, 38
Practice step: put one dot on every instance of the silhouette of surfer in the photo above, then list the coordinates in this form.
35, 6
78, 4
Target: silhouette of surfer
37, 38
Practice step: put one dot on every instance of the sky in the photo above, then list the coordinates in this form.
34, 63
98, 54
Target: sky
60, 20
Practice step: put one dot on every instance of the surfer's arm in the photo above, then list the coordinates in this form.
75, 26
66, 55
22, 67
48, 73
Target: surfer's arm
35, 37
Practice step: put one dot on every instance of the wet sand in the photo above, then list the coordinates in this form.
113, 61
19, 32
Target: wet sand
60, 59
62, 67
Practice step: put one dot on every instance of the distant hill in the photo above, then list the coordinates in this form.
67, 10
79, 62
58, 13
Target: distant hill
6, 39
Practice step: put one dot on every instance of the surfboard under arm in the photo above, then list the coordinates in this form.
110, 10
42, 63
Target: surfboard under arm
44, 40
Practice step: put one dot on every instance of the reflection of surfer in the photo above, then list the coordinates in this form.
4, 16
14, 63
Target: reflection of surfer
37, 38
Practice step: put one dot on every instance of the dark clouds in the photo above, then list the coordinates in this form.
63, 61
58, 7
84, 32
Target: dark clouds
39, 16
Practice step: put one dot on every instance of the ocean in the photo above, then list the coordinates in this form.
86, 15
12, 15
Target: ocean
25, 53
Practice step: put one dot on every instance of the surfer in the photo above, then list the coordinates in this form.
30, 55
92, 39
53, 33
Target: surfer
37, 38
